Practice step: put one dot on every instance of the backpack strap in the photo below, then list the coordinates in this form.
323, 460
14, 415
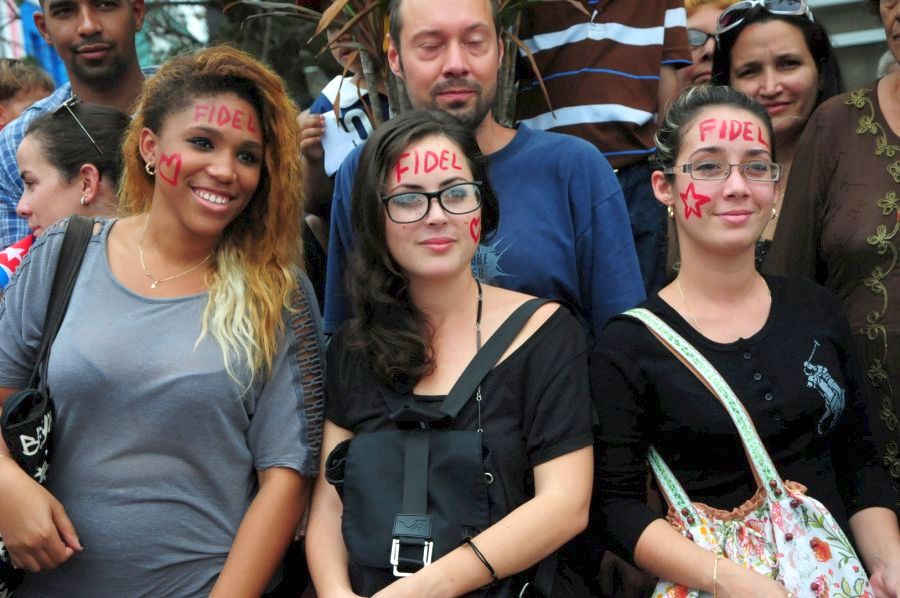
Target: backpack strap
485, 360
77, 236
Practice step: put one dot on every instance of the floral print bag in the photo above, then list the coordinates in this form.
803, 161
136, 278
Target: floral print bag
780, 532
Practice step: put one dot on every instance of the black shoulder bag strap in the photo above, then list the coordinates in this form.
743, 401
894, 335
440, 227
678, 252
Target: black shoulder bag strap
412, 528
77, 236
487, 357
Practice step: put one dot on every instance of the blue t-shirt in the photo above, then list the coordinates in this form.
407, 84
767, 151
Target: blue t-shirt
564, 232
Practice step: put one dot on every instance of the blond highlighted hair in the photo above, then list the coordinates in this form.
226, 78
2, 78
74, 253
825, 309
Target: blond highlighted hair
253, 274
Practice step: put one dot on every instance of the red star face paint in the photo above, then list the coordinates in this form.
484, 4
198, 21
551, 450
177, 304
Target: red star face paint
692, 201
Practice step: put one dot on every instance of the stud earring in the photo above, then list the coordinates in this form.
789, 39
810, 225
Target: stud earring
83, 199
774, 213
670, 211
150, 168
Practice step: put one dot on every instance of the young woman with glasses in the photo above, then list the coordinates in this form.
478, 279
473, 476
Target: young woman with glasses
781, 344
775, 52
184, 422
421, 206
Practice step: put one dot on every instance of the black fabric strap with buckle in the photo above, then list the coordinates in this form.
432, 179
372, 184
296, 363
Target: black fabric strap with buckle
411, 545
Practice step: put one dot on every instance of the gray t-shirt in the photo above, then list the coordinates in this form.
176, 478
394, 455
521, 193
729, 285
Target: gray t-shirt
155, 449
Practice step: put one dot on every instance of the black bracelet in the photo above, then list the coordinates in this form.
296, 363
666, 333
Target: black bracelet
483, 559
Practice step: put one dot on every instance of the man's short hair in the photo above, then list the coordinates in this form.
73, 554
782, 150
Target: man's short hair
397, 23
21, 75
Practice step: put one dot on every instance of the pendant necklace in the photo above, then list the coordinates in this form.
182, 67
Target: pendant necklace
155, 282
478, 348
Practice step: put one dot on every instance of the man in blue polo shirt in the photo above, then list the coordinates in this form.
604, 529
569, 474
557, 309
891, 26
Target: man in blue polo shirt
95, 41
564, 231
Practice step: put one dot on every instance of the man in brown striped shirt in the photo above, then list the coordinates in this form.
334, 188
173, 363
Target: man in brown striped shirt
610, 71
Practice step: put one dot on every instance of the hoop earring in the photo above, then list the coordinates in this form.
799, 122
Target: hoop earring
774, 213
150, 169
83, 199
671, 211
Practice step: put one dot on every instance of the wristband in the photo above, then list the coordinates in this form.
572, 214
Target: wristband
482, 558
716, 573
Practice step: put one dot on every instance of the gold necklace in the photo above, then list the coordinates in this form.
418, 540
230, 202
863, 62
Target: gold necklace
157, 281
686, 306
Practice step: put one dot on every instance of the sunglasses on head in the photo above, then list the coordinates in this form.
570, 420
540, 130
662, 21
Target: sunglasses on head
68, 105
734, 15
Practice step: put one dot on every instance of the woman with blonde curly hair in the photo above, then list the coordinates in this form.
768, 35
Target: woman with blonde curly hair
182, 438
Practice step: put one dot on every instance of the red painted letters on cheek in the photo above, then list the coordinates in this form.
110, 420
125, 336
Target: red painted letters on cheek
426, 162
169, 167
692, 201
475, 229
223, 116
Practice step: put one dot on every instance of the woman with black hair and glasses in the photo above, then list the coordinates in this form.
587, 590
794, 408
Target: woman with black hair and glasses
420, 212
775, 52
782, 345
69, 161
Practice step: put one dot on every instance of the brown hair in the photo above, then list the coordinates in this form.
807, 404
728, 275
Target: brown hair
21, 75
254, 270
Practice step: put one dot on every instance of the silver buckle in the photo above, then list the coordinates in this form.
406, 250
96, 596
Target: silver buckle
427, 550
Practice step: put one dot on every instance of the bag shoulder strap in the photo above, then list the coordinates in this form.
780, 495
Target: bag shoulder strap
77, 236
760, 461
487, 357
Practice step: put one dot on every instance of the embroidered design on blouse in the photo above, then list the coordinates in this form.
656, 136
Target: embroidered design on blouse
818, 377
884, 242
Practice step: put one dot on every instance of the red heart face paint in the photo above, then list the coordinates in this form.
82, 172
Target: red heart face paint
427, 161
223, 115
169, 167
692, 201
730, 130
475, 229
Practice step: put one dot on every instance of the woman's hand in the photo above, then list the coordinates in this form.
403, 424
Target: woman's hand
35, 528
736, 582
886, 580
312, 127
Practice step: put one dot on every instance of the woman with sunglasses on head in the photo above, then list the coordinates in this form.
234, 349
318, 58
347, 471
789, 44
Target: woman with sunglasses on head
182, 438
840, 226
423, 316
66, 170
775, 52
775, 342
702, 16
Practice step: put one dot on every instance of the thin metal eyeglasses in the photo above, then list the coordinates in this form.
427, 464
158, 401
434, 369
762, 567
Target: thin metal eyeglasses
714, 170
733, 16
68, 105
412, 206
697, 38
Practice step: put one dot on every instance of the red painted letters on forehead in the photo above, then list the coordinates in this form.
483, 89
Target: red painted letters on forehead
730, 130
223, 116
426, 161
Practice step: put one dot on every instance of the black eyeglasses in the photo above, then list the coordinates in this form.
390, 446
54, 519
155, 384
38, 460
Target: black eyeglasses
68, 105
412, 206
697, 38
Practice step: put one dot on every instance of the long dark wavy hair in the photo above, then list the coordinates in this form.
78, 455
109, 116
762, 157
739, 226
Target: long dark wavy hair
387, 326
